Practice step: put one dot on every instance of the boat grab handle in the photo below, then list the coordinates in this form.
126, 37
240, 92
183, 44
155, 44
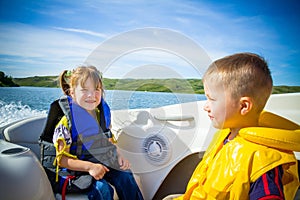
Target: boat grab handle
175, 118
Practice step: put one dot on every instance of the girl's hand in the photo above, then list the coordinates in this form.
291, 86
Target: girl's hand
98, 171
124, 164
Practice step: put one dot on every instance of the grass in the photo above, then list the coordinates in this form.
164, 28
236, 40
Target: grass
150, 85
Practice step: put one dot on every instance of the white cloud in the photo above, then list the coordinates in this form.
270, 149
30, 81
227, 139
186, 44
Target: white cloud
29, 46
150, 47
29, 41
92, 33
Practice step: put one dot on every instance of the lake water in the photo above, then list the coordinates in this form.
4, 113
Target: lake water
21, 102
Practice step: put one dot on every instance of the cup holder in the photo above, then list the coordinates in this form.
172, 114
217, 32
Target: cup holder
13, 151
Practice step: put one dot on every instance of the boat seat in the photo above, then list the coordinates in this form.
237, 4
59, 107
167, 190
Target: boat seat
26, 133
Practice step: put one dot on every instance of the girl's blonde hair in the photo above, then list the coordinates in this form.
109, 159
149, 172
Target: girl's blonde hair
70, 79
242, 74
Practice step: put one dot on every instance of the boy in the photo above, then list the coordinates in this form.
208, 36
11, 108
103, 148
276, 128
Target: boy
236, 167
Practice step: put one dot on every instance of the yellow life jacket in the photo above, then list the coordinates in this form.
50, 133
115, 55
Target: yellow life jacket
226, 171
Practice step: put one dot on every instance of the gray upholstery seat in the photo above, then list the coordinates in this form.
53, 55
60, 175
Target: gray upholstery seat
26, 133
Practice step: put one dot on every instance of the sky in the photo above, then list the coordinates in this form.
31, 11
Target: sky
147, 39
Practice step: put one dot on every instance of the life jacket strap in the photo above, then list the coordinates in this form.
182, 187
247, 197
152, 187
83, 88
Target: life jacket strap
59, 155
64, 105
64, 188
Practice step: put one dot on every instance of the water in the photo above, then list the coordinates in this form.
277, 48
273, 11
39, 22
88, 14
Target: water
20, 102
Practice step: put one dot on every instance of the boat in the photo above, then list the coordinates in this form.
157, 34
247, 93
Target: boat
163, 145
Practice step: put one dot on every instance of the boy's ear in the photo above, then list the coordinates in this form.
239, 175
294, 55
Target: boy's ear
246, 105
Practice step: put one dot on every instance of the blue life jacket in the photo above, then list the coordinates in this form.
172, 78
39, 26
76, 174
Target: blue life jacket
89, 141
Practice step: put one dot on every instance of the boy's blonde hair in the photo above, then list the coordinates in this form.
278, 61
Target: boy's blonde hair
70, 79
242, 74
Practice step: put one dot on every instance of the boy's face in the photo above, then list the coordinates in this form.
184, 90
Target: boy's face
87, 96
222, 109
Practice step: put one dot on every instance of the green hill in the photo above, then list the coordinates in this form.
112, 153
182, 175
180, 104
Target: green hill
285, 89
151, 85
6, 81
38, 81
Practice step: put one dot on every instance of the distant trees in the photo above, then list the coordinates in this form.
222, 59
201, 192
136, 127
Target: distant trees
6, 81
194, 86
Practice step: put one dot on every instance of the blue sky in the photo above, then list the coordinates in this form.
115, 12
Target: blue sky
47, 36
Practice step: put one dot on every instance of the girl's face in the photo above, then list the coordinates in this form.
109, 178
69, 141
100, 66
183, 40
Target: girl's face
88, 97
222, 109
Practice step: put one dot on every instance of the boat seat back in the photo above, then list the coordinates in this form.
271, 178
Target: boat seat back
26, 133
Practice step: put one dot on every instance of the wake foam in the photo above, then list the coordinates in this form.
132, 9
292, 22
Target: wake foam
14, 111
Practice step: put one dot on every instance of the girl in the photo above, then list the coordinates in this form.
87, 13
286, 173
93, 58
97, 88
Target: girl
76, 145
